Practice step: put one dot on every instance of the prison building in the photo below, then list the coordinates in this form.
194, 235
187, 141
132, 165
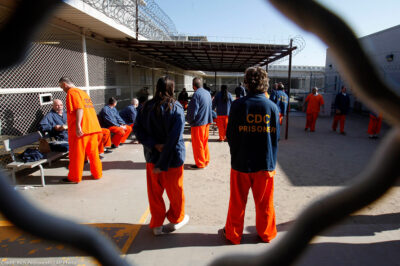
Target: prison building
382, 49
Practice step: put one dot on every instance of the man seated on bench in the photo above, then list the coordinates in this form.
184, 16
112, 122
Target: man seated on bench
55, 124
129, 113
110, 118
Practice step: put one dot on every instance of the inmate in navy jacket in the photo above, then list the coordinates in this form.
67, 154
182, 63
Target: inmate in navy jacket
253, 133
281, 99
167, 129
199, 110
128, 114
342, 102
240, 91
110, 117
223, 108
50, 121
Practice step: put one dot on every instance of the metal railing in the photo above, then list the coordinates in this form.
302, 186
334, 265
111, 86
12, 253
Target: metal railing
373, 182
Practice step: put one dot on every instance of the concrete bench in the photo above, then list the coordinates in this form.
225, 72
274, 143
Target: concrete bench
11, 144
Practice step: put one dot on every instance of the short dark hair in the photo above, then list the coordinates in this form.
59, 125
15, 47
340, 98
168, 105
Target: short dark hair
256, 79
197, 82
66, 80
112, 100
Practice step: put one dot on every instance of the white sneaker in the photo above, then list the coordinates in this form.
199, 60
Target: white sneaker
158, 231
172, 227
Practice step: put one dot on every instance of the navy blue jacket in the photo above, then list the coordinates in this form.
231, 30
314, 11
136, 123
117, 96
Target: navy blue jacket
223, 108
50, 121
199, 110
128, 114
281, 100
109, 117
166, 128
240, 92
342, 103
253, 133
272, 95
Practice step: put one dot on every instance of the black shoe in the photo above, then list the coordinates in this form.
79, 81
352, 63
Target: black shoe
305, 129
113, 146
343, 133
67, 181
101, 157
121, 144
107, 151
195, 167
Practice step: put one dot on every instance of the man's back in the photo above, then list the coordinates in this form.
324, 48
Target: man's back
253, 133
78, 99
240, 92
281, 101
128, 114
200, 108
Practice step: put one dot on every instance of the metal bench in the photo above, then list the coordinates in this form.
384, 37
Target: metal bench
11, 144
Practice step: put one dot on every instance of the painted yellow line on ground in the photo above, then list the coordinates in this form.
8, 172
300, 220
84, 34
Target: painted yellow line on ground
5, 223
132, 237
186, 144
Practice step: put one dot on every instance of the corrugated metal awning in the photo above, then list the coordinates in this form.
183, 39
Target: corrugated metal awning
208, 56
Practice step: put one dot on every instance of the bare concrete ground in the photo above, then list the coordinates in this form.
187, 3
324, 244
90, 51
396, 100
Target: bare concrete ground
310, 165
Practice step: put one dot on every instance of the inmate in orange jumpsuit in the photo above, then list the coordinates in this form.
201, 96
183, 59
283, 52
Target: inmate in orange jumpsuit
201, 152
375, 123
262, 186
88, 143
314, 104
222, 123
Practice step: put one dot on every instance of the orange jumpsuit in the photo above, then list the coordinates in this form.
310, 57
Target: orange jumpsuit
201, 152
262, 186
222, 123
88, 143
120, 134
314, 104
104, 139
375, 123
172, 181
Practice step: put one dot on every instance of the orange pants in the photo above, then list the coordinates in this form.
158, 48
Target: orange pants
78, 148
336, 119
280, 118
201, 153
120, 135
374, 126
104, 139
262, 186
311, 120
172, 182
222, 123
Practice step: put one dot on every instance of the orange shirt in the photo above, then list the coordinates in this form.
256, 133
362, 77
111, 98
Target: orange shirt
314, 103
78, 99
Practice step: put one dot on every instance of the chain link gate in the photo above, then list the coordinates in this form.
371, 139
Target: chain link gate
373, 182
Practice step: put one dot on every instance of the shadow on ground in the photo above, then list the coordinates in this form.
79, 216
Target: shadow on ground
357, 225
146, 241
333, 254
324, 157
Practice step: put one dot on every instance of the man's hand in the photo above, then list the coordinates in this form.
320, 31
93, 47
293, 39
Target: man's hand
156, 170
59, 128
123, 126
159, 147
79, 132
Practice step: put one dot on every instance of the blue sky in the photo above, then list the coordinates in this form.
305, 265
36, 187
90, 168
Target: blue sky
258, 21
